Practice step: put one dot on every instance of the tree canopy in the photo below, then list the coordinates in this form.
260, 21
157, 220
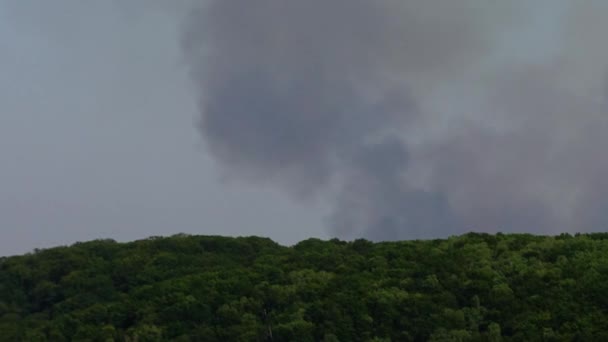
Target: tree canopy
475, 287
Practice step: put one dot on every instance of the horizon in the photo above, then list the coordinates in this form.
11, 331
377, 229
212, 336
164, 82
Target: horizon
36, 250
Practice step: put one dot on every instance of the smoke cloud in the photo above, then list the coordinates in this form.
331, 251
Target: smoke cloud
416, 118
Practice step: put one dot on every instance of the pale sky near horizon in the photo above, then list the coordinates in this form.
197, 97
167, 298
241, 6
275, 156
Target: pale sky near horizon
98, 137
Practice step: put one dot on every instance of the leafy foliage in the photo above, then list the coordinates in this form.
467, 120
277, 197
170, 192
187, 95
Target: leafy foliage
475, 287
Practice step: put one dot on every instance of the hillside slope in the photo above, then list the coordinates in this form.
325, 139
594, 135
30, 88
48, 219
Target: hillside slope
476, 287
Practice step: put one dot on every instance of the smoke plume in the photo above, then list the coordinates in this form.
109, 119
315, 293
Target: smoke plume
417, 118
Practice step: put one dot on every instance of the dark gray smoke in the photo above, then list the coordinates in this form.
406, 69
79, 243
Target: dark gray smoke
420, 118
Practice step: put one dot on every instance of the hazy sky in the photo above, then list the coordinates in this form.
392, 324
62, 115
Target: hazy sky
98, 136
289, 119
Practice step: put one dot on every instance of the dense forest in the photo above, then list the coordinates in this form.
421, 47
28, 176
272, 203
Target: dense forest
475, 287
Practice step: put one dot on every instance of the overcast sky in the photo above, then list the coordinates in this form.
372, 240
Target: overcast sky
98, 136
291, 119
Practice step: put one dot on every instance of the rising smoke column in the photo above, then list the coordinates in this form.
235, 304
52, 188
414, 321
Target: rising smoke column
410, 114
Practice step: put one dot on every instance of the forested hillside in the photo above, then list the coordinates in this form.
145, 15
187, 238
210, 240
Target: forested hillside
476, 287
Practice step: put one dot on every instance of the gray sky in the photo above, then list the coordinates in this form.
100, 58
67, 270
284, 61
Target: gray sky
289, 119
98, 136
